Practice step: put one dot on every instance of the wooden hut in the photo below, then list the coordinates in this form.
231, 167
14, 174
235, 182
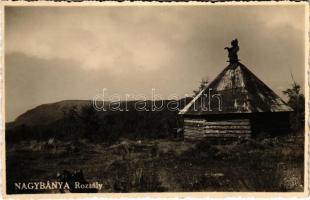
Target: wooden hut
235, 104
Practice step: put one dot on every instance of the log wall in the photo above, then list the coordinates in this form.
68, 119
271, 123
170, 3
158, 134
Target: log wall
196, 129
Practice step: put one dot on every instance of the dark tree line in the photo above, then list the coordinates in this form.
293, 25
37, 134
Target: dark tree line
103, 126
296, 100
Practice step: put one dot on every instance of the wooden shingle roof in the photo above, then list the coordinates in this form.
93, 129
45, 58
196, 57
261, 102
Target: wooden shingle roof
235, 90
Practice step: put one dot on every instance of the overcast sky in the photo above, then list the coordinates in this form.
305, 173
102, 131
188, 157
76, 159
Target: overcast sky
60, 53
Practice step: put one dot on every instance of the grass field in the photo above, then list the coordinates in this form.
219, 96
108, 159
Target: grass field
270, 164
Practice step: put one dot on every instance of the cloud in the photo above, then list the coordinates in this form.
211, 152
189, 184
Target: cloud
73, 52
101, 38
94, 39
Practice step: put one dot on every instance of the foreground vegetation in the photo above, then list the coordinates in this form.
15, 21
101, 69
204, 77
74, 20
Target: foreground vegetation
269, 164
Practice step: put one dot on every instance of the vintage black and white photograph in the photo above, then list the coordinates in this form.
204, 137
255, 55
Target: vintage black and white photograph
144, 98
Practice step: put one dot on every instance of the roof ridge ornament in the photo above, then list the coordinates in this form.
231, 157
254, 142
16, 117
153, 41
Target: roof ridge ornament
232, 51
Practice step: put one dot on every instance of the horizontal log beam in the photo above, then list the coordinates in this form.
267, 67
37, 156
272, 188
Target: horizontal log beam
227, 123
194, 125
226, 135
194, 121
193, 133
236, 120
246, 127
228, 131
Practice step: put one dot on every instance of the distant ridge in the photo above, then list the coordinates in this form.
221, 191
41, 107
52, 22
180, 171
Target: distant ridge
48, 113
